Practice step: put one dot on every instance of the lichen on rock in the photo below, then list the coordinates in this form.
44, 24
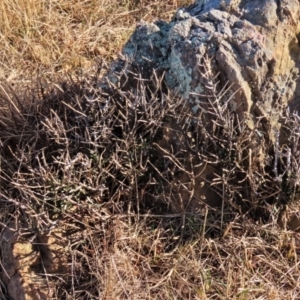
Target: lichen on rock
251, 47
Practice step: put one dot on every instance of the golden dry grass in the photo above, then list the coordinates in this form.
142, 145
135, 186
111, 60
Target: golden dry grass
51, 36
50, 174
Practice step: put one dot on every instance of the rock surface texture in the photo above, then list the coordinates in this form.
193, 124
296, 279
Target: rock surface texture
250, 46
254, 45
25, 262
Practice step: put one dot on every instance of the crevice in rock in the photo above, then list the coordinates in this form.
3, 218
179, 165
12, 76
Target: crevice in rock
279, 10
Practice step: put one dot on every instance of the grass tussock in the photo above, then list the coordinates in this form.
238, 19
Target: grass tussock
108, 178
93, 166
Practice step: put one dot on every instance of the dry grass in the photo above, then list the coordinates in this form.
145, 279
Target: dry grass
61, 35
87, 165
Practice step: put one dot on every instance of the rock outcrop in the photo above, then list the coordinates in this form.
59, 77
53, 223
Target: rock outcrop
254, 45
245, 52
